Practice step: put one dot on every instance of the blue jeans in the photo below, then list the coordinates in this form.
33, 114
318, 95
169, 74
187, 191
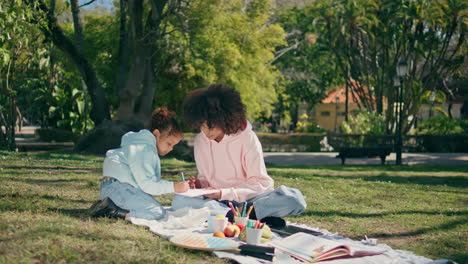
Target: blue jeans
282, 201
139, 203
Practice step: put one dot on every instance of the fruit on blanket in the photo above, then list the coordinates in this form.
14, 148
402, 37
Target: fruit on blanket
231, 230
266, 233
241, 227
219, 234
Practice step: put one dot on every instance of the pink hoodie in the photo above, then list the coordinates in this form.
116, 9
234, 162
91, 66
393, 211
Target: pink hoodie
235, 164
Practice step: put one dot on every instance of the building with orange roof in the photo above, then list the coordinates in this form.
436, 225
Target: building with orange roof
330, 112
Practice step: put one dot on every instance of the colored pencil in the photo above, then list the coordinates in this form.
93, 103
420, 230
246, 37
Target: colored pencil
244, 209
182, 176
250, 210
232, 209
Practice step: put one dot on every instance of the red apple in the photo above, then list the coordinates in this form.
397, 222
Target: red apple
241, 227
231, 230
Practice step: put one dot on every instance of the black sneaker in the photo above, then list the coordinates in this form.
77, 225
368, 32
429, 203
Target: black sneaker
107, 208
274, 222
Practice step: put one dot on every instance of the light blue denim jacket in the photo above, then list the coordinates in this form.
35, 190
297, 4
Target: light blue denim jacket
137, 162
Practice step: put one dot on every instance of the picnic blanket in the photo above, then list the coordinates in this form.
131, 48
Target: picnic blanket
187, 220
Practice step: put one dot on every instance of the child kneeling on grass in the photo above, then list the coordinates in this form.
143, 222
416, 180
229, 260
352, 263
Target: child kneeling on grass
229, 159
132, 173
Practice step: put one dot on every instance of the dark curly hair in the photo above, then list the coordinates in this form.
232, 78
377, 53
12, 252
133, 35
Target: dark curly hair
165, 121
219, 105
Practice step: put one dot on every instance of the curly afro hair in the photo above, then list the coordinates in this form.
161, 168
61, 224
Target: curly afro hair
165, 121
218, 105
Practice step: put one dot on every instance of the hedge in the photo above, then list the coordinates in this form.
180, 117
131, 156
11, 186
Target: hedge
294, 142
54, 135
309, 142
437, 143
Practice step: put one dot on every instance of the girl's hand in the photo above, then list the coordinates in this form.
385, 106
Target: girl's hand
194, 183
180, 187
216, 195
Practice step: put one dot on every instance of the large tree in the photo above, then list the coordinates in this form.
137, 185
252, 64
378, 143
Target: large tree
21, 60
369, 37
305, 65
171, 45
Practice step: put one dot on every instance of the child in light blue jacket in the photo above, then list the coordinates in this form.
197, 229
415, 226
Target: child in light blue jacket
132, 173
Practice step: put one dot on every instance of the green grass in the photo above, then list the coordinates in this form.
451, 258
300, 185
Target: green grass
44, 197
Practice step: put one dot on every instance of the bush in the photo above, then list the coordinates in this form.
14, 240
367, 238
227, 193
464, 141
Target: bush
359, 140
440, 143
442, 125
364, 123
307, 125
273, 142
54, 135
307, 142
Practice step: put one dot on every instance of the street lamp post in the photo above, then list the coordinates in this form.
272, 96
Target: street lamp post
431, 99
401, 69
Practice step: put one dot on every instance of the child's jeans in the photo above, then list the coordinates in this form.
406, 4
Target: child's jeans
139, 203
282, 201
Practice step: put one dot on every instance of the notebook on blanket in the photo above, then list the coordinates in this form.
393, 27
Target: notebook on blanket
311, 249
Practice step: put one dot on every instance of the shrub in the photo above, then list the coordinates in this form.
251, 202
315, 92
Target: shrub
364, 123
55, 135
442, 125
308, 142
440, 143
307, 125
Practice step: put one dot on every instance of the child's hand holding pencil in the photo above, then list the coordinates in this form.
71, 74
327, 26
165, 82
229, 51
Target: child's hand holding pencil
194, 183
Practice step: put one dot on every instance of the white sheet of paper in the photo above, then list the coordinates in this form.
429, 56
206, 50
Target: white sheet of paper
197, 192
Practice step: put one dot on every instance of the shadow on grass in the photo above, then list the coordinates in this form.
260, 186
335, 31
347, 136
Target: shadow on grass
364, 215
59, 168
47, 231
375, 168
41, 181
65, 154
77, 213
443, 227
28, 196
452, 181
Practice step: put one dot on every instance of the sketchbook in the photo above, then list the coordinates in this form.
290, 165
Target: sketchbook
311, 249
197, 192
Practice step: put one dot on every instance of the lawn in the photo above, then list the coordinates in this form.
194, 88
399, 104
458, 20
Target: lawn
44, 197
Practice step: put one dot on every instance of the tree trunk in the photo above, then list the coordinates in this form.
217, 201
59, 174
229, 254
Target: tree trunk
100, 107
346, 101
77, 26
128, 93
147, 94
124, 51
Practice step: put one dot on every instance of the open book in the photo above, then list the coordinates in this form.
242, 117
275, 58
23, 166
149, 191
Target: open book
310, 249
198, 192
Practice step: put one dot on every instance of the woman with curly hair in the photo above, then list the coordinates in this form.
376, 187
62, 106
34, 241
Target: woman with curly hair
229, 159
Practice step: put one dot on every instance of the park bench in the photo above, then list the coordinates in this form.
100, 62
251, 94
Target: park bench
366, 152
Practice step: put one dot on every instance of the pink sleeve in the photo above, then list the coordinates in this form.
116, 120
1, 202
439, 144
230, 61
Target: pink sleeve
257, 180
201, 164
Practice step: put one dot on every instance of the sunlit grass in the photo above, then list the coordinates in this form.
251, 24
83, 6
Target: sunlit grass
44, 197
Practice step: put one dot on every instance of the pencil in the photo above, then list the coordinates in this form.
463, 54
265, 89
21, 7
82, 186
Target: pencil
243, 209
183, 176
232, 209
249, 211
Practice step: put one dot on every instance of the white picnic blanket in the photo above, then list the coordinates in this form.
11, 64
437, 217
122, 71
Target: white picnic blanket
187, 220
